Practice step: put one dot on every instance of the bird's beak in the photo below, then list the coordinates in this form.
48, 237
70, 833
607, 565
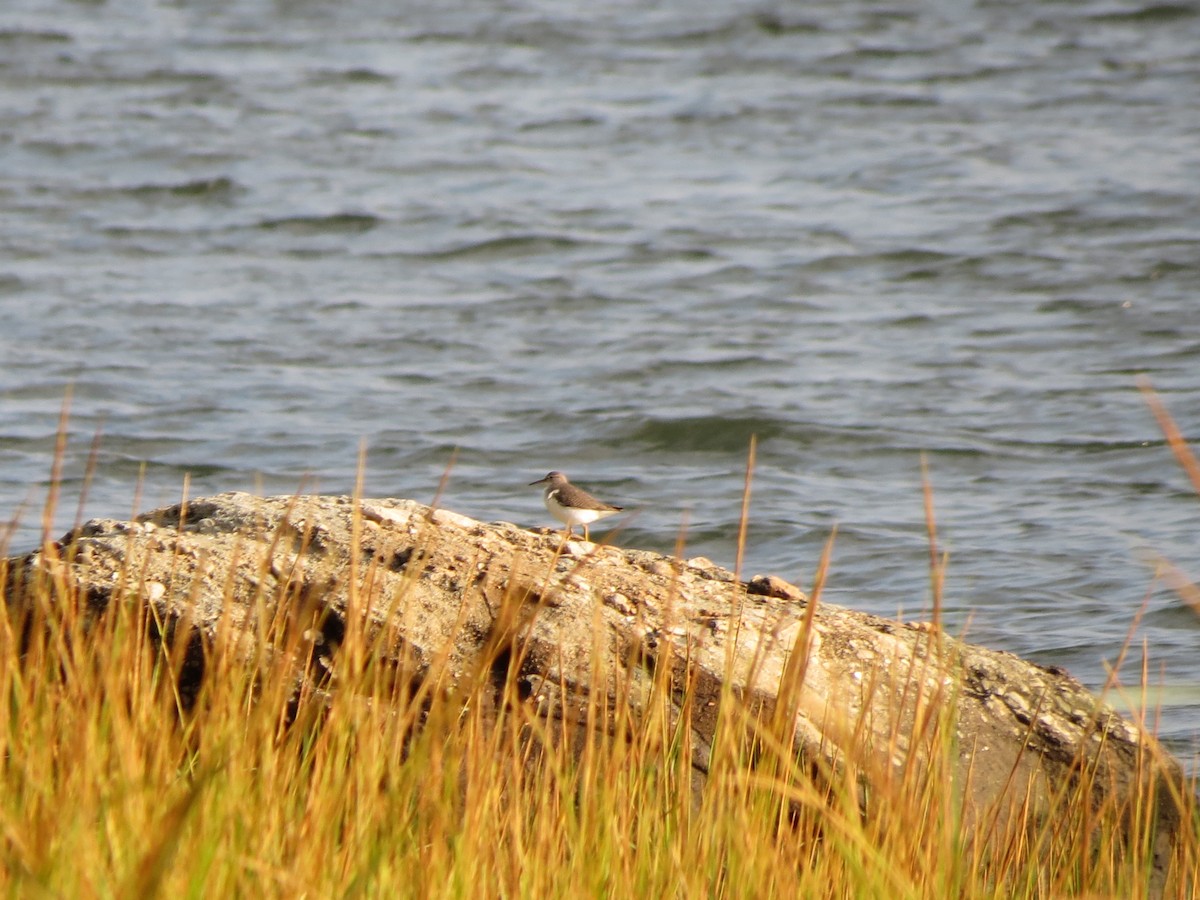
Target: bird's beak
539, 481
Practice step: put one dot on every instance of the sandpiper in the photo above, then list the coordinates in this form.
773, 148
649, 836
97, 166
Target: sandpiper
571, 505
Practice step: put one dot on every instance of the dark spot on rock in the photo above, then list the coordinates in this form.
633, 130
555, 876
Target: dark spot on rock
333, 629
168, 516
191, 672
501, 663
97, 597
309, 707
775, 587
524, 688
190, 658
330, 631
400, 559
1054, 670
318, 540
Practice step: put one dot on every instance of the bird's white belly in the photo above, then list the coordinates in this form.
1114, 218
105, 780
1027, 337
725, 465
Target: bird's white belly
570, 516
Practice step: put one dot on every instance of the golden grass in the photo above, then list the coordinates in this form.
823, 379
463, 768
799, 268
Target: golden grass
112, 784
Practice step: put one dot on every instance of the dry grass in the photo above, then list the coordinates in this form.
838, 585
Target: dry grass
114, 785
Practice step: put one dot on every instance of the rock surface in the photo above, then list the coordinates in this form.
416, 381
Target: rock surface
446, 590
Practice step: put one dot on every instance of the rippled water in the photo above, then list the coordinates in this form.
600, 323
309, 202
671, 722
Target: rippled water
621, 242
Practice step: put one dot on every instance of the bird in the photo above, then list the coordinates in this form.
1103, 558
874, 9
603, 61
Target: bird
572, 505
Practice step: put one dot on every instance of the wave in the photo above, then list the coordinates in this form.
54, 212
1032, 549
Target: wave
334, 223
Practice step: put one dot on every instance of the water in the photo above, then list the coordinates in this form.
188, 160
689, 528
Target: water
621, 242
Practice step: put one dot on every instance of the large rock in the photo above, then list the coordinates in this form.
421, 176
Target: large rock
445, 595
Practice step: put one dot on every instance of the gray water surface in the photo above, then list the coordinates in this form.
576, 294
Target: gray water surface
622, 241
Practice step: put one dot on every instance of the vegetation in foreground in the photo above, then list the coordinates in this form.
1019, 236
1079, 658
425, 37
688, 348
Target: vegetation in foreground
113, 784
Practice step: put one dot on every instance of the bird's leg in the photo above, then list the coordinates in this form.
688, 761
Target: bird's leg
585, 533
